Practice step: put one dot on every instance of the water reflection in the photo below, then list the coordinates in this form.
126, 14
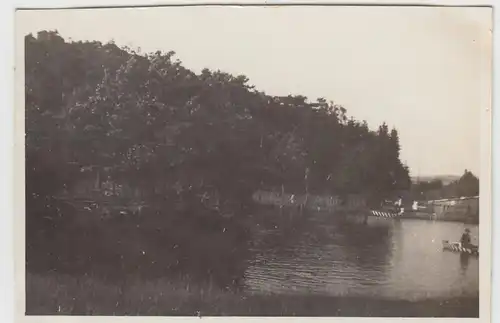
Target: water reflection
394, 258
464, 262
367, 247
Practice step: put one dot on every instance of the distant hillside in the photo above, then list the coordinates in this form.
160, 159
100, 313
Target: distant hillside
446, 179
445, 186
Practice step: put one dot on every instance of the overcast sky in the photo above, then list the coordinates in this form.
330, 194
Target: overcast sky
422, 70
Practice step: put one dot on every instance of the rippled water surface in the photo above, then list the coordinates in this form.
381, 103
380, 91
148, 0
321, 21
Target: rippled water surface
387, 258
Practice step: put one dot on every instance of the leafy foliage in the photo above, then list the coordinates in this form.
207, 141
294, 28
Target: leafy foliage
196, 145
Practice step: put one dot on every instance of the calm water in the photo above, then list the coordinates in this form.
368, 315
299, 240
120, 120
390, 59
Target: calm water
386, 258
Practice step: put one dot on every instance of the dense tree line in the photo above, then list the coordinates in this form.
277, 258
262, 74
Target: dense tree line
196, 146
467, 185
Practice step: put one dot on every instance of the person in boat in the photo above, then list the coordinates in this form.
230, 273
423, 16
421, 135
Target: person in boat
465, 239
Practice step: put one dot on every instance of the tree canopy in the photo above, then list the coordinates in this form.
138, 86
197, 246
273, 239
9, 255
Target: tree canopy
152, 120
175, 136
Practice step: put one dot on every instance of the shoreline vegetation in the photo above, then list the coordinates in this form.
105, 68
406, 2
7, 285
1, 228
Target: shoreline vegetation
53, 294
110, 128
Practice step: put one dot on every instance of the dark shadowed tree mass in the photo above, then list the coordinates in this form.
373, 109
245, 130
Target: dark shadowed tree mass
113, 126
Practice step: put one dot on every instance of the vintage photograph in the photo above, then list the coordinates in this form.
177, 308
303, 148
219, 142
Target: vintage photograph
254, 161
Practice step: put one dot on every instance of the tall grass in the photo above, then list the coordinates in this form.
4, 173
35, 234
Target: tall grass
53, 294
87, 295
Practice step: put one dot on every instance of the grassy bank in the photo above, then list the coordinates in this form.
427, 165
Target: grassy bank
65, 295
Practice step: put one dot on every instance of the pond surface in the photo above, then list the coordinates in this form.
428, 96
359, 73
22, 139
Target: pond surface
387, 258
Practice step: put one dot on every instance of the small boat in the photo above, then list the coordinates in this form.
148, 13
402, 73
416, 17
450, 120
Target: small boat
388, 212
384, 214
457, 247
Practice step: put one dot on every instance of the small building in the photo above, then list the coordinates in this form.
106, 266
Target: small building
463, 208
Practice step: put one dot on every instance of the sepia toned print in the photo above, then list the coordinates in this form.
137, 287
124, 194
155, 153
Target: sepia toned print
189, 170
